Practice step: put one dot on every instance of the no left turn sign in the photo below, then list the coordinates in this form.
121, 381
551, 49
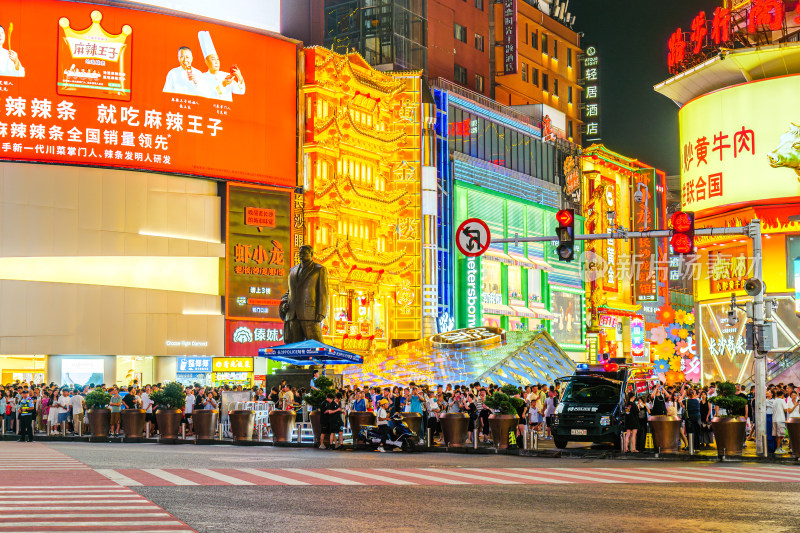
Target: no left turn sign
473, 237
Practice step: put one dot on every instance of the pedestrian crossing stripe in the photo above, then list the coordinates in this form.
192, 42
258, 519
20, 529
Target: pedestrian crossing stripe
150, 477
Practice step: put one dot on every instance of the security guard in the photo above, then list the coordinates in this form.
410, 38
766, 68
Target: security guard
27, 410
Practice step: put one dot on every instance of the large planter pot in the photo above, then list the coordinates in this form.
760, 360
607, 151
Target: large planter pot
169, 423
133, 423
414, 421
666, 433
99, 422
242, 422
728, 434
358, 419
315, 417
793, 427
205, 423
454, 428
501, 426
281, 423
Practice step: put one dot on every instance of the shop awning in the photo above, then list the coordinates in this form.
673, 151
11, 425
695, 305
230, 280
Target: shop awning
524, 312
310, 353
544, 314
540, 264
498, 309
498, 257
522, 260
623, 309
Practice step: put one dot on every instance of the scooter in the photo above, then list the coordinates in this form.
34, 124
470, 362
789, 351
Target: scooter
400, 435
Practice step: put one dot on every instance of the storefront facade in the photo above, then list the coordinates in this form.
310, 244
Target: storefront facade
493, 164
622, 276
113, 255
362, 203
522, 287
718, 188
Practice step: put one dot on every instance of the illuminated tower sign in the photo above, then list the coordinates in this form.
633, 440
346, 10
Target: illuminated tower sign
591, 96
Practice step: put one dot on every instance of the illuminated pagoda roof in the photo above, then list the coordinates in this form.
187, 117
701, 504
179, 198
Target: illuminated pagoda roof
523, 358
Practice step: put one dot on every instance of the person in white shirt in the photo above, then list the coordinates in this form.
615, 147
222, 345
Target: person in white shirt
76, 402
185, 79
792, 405
63, 409
219, 84
9, 60
147, 405
188, 408
779, 420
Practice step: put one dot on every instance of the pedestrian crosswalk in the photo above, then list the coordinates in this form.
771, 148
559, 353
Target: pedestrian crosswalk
148, 477
45, 490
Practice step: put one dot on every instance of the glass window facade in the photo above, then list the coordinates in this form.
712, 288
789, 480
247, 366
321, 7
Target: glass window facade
479, 137
385, 32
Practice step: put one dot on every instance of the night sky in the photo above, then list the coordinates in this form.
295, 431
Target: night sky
631, 38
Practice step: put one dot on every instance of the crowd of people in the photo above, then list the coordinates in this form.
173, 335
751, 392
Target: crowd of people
61, 409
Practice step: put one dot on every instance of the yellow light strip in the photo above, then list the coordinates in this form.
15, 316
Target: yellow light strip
182, 236
199, 275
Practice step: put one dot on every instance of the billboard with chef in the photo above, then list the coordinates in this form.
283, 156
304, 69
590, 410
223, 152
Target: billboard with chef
85, 83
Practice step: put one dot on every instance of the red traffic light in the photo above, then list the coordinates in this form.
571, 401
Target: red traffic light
682, 222
565, 217
682, 240
681, 243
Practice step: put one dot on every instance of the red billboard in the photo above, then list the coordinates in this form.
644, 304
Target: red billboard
89, 84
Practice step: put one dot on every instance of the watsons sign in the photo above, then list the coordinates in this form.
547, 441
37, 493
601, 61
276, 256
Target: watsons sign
469, 283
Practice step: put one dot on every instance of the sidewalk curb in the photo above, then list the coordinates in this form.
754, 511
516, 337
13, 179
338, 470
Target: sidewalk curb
551, 453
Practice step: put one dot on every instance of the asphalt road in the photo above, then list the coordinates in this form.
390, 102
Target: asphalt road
709, 507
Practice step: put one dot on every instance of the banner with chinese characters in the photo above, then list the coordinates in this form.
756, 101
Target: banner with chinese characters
736, 152
96, 85
259, 251
591, 111
645, 251
509, 36
233, 364
194, 364
244, 338
729, 269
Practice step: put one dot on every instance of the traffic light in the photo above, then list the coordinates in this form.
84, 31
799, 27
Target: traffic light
566, 234
682, 240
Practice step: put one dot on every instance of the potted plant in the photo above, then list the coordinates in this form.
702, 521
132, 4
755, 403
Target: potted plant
729, 427
133, 423
666, 429
169, 401
505, 420
204, 422
315, 398
98, 413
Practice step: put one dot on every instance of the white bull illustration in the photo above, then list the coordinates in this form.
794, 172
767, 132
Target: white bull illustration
787, 154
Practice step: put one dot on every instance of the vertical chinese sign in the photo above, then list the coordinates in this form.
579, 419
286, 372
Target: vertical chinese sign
591, 96
509, 36
644, 249
610, 217
259, 255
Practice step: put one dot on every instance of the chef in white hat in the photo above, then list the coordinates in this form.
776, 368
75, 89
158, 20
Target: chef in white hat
185, 79
220, 84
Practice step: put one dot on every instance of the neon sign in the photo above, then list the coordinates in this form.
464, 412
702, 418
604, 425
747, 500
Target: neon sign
591, 111
685, 49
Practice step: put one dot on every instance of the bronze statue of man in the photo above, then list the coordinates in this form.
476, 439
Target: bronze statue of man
305, 304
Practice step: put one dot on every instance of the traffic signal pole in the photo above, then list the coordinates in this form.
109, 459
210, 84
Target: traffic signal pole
752, 230
759, 359
738, 230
